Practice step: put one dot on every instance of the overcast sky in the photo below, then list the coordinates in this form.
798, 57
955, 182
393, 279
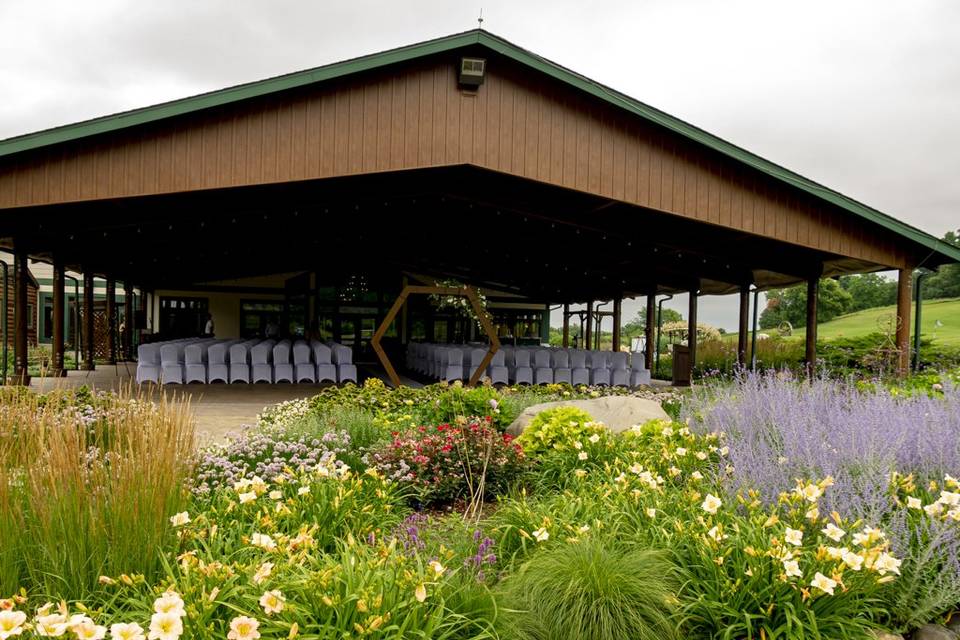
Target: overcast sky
862, 96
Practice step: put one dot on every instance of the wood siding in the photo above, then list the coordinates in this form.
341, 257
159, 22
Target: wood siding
519, 122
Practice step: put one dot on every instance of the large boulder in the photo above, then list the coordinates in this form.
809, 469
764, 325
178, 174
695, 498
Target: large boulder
933, 632
617, 413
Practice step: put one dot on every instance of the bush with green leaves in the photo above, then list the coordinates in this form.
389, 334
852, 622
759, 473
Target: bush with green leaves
459, 400
560, 428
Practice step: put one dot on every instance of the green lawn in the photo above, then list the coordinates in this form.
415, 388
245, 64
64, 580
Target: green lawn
868, 321
853, 325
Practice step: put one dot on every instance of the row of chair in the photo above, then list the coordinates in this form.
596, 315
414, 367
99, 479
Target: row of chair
206, 360
529, 365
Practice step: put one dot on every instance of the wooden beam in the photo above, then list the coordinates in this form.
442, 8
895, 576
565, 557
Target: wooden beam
59, 315
744, 325
588, 330
111, 309
617, 310
566, 325
692, 331
478, 309
813, 291
650, 331
904, 287
21, 312
126, 337
89, 348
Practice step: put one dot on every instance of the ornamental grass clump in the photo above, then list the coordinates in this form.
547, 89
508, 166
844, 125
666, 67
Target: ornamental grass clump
81, 497
591, 589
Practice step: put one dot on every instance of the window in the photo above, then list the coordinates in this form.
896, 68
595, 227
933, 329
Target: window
255, 315
182, 317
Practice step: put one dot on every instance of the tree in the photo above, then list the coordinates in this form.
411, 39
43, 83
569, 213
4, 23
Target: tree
637, 326
790, 304
945, 283
869, 290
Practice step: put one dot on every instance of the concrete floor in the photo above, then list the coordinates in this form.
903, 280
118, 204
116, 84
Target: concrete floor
220, 409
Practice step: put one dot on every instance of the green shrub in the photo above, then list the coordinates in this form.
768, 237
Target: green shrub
458, 400
558, 428
591, 589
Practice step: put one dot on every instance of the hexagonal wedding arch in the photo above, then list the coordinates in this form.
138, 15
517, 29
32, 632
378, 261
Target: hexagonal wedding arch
466, 292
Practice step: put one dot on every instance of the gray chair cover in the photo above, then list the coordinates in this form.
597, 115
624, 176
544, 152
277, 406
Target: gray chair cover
619, 373
497, 371
639, 374
522, 371
323, 357
240, 361
303, 367
579, 374
195, 361
148, 363
282, 366
261, 361
472, 362
171, 362
542, 371
218, 361
454, 369
599, 372
342, 357
560, 361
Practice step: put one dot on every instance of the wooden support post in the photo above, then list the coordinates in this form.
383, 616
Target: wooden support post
128, 314
813, 292
89, 348
59, 315
111, 309
692, 331
21, 310
588, 330
650, 330
617, 310
744, 326
904, 286
566, 325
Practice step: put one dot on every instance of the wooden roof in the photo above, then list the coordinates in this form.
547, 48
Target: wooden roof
402, 110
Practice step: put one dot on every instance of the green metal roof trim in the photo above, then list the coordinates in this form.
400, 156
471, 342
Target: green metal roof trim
476, 36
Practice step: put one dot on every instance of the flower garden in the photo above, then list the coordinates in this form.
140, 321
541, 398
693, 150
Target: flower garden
768, 507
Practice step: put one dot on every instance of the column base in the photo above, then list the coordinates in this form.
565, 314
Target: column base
20, 379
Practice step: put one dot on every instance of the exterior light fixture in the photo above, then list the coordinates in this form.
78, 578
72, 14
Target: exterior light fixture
472, 71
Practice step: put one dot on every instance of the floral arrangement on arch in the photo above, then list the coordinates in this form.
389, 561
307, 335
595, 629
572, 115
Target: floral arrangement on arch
705, 332
458, 303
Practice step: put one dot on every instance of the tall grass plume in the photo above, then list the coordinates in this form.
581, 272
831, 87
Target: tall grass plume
87, 486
